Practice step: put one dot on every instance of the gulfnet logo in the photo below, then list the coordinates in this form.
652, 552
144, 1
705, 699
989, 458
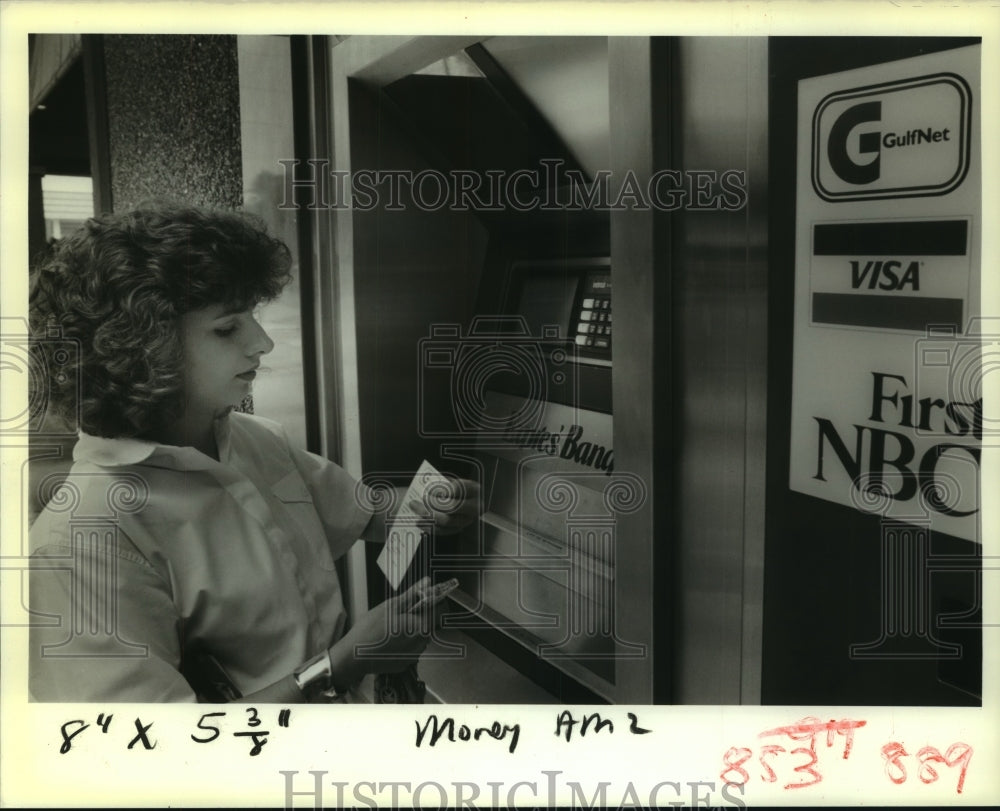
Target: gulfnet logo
898, 139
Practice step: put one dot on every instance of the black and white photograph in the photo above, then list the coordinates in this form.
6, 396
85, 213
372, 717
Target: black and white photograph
583, 396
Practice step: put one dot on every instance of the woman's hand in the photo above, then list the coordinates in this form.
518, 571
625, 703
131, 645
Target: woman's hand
387, 638
450, 506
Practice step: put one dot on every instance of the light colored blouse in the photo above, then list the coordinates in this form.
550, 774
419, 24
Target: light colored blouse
150, 553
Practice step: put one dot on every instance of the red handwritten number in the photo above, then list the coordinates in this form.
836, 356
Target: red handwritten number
742, 755
808, 728
926, 772
770, 749
806, 768
894, 769
957, 753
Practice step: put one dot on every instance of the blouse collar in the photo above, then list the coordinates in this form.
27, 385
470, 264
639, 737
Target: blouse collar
108, 452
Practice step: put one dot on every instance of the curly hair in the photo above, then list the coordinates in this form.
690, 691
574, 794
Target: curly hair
117, 289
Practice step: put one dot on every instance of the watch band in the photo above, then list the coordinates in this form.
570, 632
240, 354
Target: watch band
315, 675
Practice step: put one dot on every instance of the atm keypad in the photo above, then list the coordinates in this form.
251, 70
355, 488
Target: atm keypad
594, 323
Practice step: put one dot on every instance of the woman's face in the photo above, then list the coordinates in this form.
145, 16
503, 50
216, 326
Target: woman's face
222, 350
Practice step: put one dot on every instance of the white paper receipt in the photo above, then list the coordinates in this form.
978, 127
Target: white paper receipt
404, 531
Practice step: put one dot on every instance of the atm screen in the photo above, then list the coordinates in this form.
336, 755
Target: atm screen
567, 303
547, 299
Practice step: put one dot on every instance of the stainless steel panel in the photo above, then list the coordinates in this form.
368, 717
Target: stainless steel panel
633, 377
719, 271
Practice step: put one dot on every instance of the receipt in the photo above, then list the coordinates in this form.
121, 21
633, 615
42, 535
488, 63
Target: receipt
405, 530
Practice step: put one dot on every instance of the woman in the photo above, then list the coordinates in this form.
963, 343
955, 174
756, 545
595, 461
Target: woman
190, 553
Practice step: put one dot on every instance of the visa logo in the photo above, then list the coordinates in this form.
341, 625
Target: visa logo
885, 275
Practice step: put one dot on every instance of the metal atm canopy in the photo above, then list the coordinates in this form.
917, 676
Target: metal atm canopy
508, 103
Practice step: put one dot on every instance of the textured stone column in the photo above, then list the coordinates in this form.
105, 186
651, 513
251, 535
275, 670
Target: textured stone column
173, 109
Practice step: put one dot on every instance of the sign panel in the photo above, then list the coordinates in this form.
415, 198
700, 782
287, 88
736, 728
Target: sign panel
886, 394
901, 138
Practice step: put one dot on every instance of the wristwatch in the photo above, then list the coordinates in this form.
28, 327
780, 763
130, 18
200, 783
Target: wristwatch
315, 675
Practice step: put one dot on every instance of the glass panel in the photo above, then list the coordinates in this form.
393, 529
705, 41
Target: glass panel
266, 132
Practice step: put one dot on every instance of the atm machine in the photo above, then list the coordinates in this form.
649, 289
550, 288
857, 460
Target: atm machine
532, 389
514, 392
485, 344
556, 355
